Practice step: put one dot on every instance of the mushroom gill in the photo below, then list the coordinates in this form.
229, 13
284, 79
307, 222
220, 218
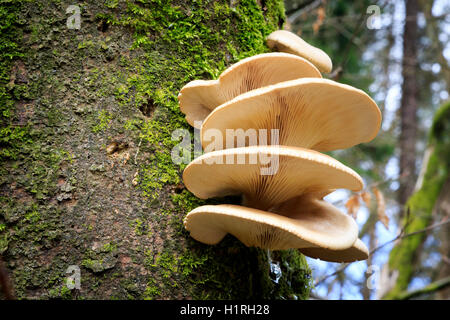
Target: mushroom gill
291, 172
311, 113
358, 251
323, 228
199, 97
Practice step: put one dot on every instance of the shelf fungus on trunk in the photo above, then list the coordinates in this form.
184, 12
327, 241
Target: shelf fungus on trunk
267, 175
286, 41
317, 225
199, 97
313, 113
358, 251
281, 210
283, 180
296, 206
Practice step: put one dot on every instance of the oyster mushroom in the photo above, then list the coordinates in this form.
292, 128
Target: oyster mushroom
290, 172
282, 184
314, 205
313, 113
199, 97
320, 225
358, 251
286, 41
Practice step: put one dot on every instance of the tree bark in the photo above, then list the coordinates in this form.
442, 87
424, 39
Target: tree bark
87, 184
443, 212
408, 106
433, 32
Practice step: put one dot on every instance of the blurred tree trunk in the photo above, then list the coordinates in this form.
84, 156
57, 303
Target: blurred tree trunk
408, 106
433, 32
87, 185
429, 203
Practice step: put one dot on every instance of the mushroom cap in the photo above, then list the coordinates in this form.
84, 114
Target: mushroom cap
296, 171
329, 229
313, 113
199, 97
286, 41
358, 251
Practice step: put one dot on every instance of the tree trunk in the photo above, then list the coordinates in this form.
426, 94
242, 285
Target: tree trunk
87, 183
425, 205
433, 32
408, 106
443, 212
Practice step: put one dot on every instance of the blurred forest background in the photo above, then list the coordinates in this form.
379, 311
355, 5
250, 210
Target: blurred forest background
398, 52
87, 115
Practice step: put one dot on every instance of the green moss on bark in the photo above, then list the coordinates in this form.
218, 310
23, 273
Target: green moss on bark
116, 81
11, 137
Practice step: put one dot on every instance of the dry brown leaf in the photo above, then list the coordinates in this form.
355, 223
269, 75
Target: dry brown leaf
366, 198
319, 21
353, 205
321, 14
381, 207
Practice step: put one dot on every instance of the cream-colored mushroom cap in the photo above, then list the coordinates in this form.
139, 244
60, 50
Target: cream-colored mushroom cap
267, 175
286, 41
199, 97
256, 228
313, 113
358, 251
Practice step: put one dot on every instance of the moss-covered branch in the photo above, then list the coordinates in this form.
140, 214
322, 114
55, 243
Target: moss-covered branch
421, 203
429, 289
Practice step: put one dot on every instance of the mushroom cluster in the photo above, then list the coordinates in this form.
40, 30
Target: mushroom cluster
282, 181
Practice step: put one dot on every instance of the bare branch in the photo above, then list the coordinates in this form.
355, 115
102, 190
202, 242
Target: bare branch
293, 16
401, 235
